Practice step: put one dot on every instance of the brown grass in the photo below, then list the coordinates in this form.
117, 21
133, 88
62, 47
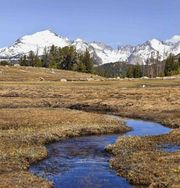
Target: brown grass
25, 131
140, 160
34, 112
161, 104
40, 74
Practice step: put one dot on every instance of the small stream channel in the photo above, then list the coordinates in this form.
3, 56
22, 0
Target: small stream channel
82, 162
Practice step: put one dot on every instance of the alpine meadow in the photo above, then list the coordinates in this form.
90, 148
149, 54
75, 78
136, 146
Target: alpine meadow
79, 113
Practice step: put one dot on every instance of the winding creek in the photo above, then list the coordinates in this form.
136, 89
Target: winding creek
83, 162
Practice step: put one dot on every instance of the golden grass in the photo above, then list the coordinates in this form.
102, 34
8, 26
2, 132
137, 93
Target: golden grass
40, 74
155, 102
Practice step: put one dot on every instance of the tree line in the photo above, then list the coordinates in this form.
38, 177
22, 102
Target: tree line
152, 68
172, 66
155, 68
60, 58
68, 59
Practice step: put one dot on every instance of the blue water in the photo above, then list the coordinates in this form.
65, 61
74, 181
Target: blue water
169, 148
82, 162
145, 128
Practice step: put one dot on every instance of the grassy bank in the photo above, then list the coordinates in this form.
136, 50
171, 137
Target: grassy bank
142, 161
25, 131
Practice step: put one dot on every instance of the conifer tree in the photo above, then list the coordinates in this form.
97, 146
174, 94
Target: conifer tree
169, 66
38, 62
52, 58
88, 63
45, 62
130, 73
81, 66
62, 58
31, 59
137, 73
23, 61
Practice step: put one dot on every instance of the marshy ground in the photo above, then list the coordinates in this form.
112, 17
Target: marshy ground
37, 108
144, 160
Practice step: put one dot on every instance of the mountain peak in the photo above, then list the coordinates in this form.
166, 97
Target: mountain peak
174, 39
79, 40
155, 44
34, 42
154, 40
46, 31
45, 38
43, 33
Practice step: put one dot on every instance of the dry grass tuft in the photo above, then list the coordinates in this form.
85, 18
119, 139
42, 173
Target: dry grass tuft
140, 160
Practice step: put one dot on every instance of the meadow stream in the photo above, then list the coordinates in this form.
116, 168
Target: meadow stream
82, 162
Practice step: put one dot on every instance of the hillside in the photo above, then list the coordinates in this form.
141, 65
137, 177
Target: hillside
112, 70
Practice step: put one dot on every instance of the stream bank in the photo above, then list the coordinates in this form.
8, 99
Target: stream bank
83, 162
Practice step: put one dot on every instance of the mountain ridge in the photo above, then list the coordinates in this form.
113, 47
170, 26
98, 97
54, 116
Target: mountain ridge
101, 52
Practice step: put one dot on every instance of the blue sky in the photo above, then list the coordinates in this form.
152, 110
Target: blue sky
111, 21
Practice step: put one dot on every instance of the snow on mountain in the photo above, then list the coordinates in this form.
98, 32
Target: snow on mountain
104, 52
151, 49
176, 48
100, 52
80, 45
125, 51
35, 42
174, 39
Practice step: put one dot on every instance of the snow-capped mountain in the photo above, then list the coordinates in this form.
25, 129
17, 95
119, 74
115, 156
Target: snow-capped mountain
154, 49
100, 52
150, 49
35, 42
